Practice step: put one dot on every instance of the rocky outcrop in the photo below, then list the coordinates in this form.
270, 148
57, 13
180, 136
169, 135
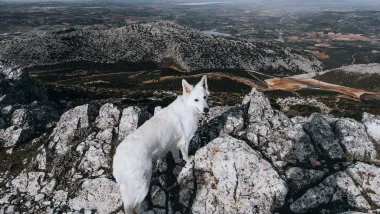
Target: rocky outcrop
67, 127
276, 135
24, 109
247, 158
162, 42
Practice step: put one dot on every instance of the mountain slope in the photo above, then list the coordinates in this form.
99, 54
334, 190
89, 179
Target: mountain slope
361, 76
163, 42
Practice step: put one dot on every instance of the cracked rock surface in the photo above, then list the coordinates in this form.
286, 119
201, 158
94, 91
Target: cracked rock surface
247, 158
231, 177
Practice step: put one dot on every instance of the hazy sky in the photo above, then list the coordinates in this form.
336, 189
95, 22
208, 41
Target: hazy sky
262, 2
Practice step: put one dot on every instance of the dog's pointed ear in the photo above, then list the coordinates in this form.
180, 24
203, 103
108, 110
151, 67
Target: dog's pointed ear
203, 83
187, 88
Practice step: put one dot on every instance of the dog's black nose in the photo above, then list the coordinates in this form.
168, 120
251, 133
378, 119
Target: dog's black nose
206, 110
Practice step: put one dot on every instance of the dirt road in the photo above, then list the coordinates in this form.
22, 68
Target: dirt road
290, 84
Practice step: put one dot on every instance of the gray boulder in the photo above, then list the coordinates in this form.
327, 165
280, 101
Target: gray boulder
338, 190
323, 138
233, 178
353, 137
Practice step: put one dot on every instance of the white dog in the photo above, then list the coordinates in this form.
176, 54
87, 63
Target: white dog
169, 130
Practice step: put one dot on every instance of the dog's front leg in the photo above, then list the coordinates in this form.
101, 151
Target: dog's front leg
184, 147
175, 153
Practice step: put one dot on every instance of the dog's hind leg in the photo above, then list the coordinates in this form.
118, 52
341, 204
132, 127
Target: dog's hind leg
142, 187
127, 200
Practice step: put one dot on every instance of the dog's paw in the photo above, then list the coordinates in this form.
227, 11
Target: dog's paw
177, 160
189, 159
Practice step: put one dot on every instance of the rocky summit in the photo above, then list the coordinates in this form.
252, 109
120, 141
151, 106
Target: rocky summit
248, 158
162, 42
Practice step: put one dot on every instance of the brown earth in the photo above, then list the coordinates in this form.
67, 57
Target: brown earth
319, 54
290, 84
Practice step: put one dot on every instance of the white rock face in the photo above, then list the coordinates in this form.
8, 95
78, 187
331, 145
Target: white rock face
354, 138
108, 116
129, 121
29, 182
368, 177
12, 135
41, 158
60, 197
96, 156
11, 73
233, 178
100, 194
372, 125
69, 123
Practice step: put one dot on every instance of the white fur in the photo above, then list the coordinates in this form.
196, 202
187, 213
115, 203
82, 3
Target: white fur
169, 130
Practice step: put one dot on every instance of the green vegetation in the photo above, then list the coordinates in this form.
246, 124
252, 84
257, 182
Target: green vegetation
370, 82
303, 110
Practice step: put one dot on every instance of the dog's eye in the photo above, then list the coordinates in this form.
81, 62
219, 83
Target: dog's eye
204, 97
196, 100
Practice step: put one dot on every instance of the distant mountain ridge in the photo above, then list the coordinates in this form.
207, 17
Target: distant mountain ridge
162, 42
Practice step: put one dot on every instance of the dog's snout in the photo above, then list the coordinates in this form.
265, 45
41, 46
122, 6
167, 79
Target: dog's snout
206, 110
